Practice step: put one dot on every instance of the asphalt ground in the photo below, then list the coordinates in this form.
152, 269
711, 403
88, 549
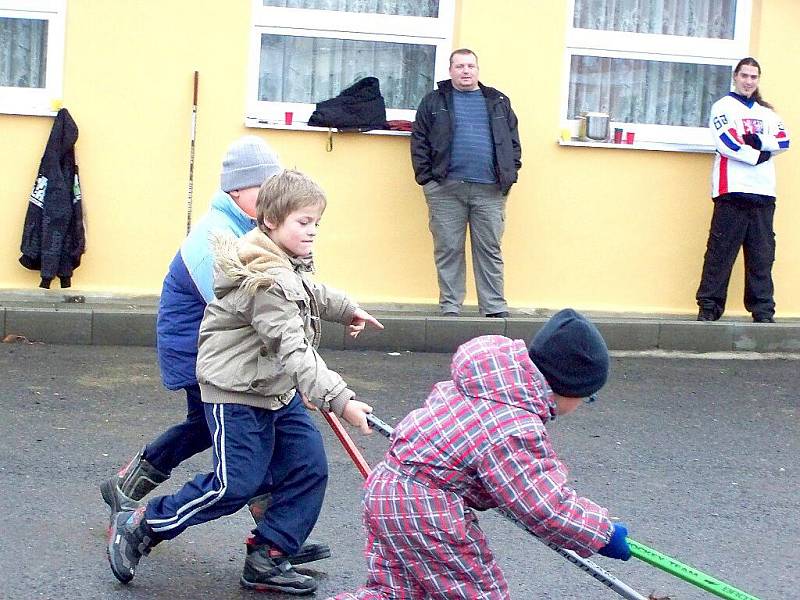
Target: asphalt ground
699, 457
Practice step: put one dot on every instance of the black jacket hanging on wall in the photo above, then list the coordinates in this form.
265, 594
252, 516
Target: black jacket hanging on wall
53, 238
360, 106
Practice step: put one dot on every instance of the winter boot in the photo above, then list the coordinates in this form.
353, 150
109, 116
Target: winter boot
267, 570
133, 482
309, 552
129, 538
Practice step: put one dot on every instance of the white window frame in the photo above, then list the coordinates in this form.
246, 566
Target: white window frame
38, 101
645, 46
302, 22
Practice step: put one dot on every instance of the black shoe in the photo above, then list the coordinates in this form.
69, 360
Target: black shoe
116, 500
129, 538
263, 573
498, 315
309, 552
762, 319
707, 314
133, 482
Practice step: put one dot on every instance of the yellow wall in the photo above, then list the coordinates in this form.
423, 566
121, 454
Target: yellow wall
596, 229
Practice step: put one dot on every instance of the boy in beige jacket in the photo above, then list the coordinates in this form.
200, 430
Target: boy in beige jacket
257, 366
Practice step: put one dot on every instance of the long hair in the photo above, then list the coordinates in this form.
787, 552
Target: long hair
750, 61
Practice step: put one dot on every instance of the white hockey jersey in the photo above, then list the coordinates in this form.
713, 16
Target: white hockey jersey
735, 168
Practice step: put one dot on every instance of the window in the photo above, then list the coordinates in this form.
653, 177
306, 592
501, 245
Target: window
31, 55
655, 66
305, 51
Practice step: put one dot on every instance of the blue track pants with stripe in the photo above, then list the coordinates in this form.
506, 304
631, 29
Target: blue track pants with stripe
254, 451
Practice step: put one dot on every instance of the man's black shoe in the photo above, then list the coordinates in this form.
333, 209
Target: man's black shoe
706, 314
263, 573
762, 319
129, 538
498, 315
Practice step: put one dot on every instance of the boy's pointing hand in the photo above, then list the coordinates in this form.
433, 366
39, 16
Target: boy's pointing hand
360, 320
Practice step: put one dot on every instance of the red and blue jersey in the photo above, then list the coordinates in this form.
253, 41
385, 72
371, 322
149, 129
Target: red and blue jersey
736, 166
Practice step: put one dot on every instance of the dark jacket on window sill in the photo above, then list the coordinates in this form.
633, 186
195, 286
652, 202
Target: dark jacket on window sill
360, 107
53, 238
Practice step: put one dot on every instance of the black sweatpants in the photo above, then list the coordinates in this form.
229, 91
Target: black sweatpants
739, 223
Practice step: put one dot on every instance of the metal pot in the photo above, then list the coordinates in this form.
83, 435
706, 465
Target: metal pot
594, 126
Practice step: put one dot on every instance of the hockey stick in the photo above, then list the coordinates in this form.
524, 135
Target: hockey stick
348, 443
585, 565
191, 158
639, 550
687, 573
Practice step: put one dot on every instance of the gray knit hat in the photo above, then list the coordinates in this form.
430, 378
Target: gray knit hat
249, 162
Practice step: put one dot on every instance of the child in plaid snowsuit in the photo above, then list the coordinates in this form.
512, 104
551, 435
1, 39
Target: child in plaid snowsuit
480, 442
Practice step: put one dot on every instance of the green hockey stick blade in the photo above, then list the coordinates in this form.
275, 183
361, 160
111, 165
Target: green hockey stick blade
687, 573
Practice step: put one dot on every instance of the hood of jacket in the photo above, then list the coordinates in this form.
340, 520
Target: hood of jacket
63, 136
496, 368
250, 262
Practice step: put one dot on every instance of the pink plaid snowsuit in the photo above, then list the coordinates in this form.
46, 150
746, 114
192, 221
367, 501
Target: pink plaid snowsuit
478, 443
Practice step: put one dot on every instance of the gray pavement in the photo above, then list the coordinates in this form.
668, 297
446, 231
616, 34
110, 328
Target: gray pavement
698, 456
64, 317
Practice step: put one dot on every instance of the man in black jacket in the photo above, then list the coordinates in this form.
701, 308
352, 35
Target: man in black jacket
466, 154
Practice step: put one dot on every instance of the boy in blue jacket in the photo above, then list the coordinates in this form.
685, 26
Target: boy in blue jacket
188, 287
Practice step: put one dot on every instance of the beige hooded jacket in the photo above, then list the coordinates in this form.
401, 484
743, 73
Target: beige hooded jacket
259, 336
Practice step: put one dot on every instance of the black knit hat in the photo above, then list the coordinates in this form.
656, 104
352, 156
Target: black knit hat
571, 354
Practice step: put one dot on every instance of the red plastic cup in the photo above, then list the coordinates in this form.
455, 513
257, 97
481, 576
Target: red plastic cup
287, 117
617, 135
629, 137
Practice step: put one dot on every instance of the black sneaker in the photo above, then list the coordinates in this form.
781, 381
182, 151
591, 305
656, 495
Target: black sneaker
762, 319
265, 573
498, 315
133, 482
129, 538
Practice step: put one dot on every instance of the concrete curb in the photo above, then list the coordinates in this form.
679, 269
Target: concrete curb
131, 322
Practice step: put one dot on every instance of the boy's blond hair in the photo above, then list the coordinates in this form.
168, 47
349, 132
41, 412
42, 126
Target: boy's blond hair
284, 193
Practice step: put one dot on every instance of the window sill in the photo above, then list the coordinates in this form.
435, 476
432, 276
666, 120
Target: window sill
301, 126
662, 146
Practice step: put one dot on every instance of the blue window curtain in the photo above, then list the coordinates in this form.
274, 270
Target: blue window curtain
23, 52
408, 8
649, 91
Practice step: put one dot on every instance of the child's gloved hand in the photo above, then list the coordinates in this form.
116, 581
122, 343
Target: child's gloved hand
355, 413
752, 140
617, 547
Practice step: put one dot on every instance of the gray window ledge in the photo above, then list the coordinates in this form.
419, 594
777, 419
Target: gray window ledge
662, 146
301, 126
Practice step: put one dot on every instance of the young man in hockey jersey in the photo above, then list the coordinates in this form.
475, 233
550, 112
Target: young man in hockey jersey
747, 134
